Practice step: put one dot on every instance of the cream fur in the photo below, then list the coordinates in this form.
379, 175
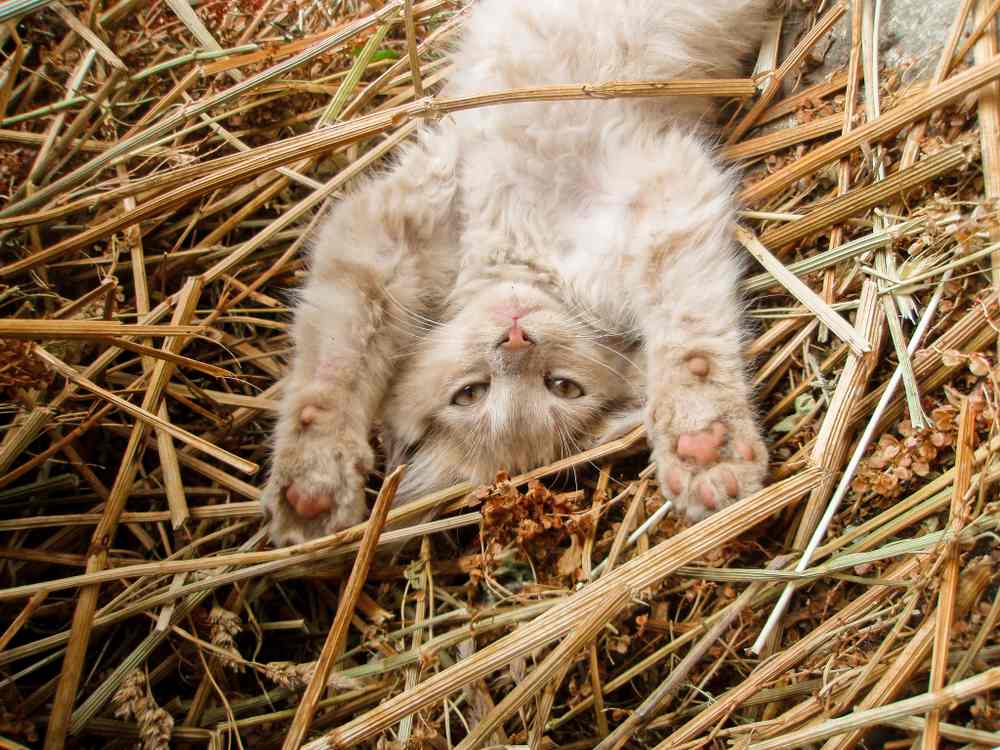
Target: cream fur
602, 224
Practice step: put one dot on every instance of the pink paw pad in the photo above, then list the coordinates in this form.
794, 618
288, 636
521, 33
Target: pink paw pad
308, 415
306, 505
675, 482
707, 496
702, 447
744, 450
730, 483
698, 365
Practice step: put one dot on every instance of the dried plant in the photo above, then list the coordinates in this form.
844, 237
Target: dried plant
225, 626
134, 701
297, 676
154, 217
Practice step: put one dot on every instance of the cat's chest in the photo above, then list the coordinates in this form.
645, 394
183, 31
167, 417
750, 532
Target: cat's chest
560, 216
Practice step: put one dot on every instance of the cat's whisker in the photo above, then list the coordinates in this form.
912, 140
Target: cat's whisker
619, 354
412, 313
476, 446
408, 330
598, 340
404, 324
626, 335
579, 447
415, 324
410, 321
569, 447
596, 331
598, 362
596, 322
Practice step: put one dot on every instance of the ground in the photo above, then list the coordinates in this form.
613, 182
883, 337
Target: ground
912, 31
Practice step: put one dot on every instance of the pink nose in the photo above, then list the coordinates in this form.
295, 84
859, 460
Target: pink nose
516, 340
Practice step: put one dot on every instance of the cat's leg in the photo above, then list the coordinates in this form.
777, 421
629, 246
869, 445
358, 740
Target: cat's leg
684, 280
373, 260
706, 444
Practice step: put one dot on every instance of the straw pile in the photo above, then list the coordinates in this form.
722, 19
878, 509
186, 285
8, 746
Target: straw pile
163, 164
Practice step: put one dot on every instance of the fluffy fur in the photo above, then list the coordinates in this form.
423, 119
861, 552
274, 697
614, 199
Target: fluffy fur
532, 279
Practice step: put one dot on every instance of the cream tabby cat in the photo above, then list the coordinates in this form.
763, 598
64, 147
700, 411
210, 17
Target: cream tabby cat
532, 279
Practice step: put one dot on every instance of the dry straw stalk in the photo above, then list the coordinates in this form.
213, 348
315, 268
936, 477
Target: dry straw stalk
936, 97
336, 637
637, 574
159, 154
577, 639
962, 691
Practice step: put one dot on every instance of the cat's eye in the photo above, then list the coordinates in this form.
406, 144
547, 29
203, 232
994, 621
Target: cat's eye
564, 387
470, 394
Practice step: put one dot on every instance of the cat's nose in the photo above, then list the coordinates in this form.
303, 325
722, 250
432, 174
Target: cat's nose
516, 340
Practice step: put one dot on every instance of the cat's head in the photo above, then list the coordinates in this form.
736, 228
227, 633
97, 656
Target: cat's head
514, 379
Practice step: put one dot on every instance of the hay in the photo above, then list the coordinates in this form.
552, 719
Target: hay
164, 165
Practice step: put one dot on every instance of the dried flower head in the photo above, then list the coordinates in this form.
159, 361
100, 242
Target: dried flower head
155, 728
129, 700
20, 368
538, 522
292, 676
134, 701
225, 626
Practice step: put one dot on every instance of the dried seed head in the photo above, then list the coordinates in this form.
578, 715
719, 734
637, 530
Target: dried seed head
225, 626
293, 676
130, 699
134, 701
155, 728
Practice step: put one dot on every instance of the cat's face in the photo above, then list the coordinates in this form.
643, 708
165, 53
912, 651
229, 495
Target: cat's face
513, 381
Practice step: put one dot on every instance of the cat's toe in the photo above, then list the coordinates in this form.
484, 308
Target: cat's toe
301, 511
744, 449
707, 469
284, 524
722, 485
702, 447
309, 505
315, 488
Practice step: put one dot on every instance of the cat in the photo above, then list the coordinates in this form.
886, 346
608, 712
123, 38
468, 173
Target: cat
532, 279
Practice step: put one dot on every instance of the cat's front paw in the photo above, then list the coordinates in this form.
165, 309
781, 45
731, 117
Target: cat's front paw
703, 468
317, 480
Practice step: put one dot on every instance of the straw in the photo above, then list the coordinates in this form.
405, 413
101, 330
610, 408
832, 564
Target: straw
167, 167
